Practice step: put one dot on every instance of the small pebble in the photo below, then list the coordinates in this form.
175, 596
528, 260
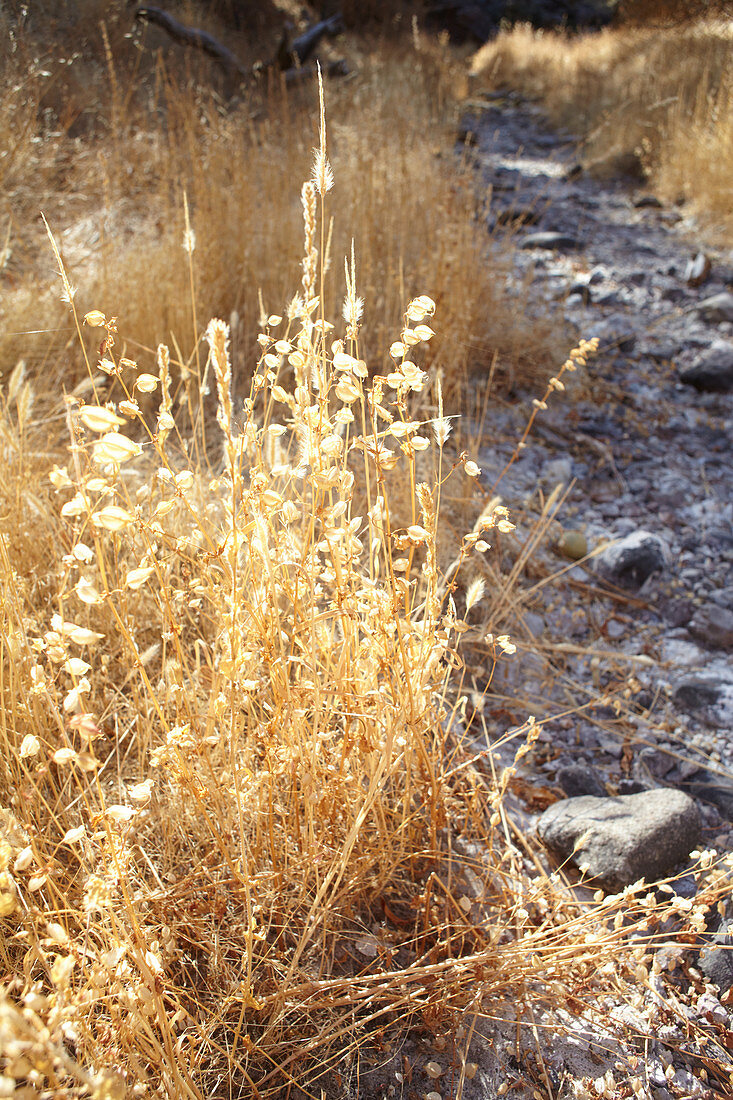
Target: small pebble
573, 545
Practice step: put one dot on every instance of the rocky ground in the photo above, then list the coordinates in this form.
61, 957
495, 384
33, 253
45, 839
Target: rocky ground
644, 443
639, 633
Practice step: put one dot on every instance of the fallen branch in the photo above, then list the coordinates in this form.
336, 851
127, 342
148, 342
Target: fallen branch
290, 57
190, 36
303, 46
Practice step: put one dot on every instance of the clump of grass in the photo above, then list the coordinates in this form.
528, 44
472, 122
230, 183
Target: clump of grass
228, 729
415, 216
663, 96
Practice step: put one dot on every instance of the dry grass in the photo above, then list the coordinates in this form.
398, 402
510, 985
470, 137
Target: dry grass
242, 831
662, 95
116, 199
228, 731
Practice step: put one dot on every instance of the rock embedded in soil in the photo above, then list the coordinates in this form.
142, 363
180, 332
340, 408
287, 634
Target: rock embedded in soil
550, 241
710, 787
670, 445
650, 201
580, 779
716, 960
723, 596
617, 841
718, 308
632, 560
712, 371
713, 626
697, 692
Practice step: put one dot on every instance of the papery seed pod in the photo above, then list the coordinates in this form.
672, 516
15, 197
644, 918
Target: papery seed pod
146, 383
112, 518
98, 419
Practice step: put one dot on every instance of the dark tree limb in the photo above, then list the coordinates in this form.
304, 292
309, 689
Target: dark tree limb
290, 56
302, 47
189, 36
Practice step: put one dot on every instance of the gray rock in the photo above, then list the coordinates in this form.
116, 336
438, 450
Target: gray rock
631, 786
712, 788
609, 298
629, 562
677, 612
718, 308
716, 960
549, 241
615, 333
582, 291
713, 626
710, 1006
617, 841
697, 692
698, 270
712, 371
557, 471
663, 352
723, 596
724, 272
675, 293
647, 200
652, 764
685, 886
580, 779
534, 624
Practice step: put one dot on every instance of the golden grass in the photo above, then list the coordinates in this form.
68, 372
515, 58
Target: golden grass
229, 736
230, 719
664, 95
116, 201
